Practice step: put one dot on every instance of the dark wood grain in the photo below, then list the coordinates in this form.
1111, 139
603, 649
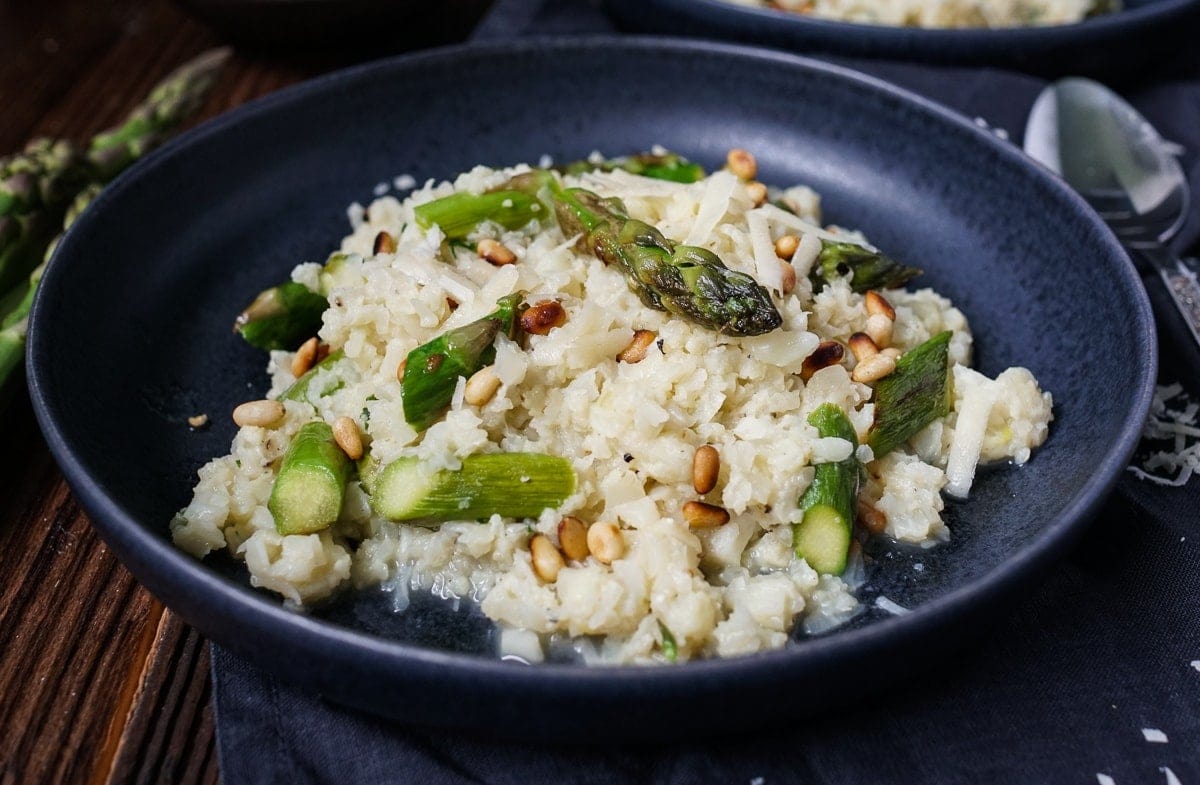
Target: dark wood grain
98, 683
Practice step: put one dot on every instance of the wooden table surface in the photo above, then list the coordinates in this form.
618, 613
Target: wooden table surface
98, 682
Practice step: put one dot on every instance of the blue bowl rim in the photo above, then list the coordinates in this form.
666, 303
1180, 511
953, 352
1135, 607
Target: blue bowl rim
1118, 23
123, 531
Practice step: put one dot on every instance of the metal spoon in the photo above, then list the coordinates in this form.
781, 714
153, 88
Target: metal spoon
1115, 159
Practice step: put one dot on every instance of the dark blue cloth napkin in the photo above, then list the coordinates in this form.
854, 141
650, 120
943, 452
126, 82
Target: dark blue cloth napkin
1076, 685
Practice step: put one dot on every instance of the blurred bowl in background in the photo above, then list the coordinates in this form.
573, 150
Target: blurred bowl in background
394, 24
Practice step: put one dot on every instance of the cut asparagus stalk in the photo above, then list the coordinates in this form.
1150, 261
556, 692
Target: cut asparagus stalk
285, 316
665, 166
670, 648
870, 269
308, 491
282, 317
918, 392
460, 214
432, 370
513, 485
822, 537
300, 388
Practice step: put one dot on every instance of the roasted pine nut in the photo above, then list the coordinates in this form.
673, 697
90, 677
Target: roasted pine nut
785, 247
635, 352
263, 414
826, 354
742, 164
305, 357
700, 515
481, 387
862, 346
540, 319
494, 252
879, 327
345, 433
876, 303
789, 277
873, 368
605, 542
572, 538
546, 559
706, 465
384, 243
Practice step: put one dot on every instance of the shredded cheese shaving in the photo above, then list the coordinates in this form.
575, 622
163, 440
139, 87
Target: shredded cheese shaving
969, 429
628, 184
798, 224
766, 263
1172, 419
713, 206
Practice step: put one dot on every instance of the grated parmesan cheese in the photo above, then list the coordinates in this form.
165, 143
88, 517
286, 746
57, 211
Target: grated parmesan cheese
713, 206
1172, 419
890, 606
1154, 735
766, 263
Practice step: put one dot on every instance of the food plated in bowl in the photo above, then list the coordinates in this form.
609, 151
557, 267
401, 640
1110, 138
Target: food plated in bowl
1105, 40
184, 242
944, 13
632, 448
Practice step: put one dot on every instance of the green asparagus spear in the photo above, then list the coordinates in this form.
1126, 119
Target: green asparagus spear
670, 648
684, 280
308, 491
664, 166
173, 100
300, 388
36, 187
822, 537
870, 269
460, 214
45, 188
432, 369
918, 392
287, 315
282, 317
513, 485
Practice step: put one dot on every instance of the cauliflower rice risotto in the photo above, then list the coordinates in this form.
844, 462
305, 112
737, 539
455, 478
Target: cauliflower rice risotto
946, 13
516, 389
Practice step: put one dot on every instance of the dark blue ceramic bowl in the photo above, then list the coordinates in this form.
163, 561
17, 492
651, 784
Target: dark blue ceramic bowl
1135, 39
131, 335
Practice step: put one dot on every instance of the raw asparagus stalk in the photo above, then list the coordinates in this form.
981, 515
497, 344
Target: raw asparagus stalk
665, 166
918, 392
822, 537
45, 188
870, 269
460, 214
177, 97
432, 369
684, 280
15, 326
513, 485
308, 491
38, 185
299, 389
